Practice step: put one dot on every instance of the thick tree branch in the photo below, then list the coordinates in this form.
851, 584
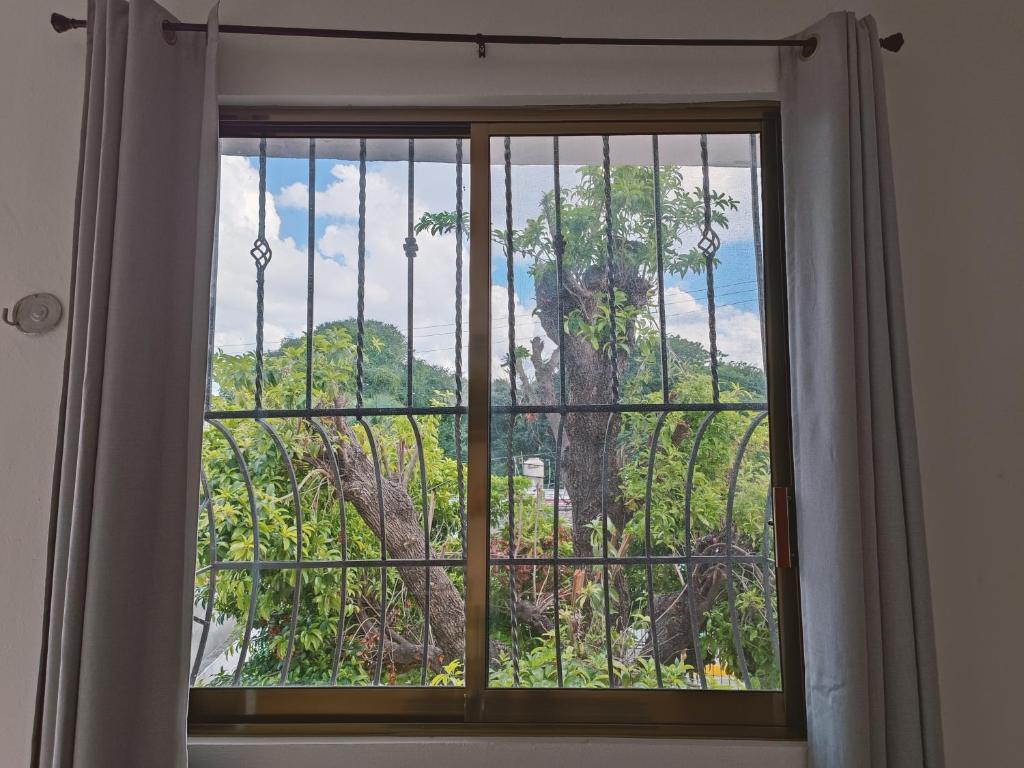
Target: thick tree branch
403, 536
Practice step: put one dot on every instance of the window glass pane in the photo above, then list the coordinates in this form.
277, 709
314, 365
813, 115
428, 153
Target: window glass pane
630, 473
332, 523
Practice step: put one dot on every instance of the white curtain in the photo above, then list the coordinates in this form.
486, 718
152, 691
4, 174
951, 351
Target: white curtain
872, 697
114, 670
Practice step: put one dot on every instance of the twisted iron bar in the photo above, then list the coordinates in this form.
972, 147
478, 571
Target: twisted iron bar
510, 462
457, 419
708, 245
361, 275
410, 247
558, 245
310, 269
755, 223
660, 254
261, 255
605, 574
610, 238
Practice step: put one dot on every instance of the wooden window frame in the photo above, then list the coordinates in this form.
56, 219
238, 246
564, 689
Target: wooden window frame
477, 709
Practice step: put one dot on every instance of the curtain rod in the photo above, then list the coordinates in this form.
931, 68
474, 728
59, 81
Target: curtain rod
894, 42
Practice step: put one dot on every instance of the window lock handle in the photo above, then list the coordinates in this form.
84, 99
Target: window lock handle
780, 514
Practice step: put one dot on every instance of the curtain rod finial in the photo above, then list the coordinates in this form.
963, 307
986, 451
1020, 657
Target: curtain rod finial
892, 42
62, 23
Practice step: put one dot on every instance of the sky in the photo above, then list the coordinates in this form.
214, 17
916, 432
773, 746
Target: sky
335, 255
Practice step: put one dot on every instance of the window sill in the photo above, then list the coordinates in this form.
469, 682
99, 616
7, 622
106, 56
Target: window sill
494, 752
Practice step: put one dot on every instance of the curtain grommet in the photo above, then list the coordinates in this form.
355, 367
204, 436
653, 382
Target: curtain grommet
809, 47
170, 36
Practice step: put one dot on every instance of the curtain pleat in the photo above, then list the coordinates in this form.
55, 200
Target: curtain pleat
871, 680
114, 682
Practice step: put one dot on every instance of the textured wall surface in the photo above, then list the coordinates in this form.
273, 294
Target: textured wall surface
960, 176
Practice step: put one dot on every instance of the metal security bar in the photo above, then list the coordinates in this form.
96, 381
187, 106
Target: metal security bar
568, 407
315, 415
486, 544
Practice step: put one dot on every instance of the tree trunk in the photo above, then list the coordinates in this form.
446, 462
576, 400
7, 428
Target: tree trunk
675, 629
403, 537
590, 461
707, 581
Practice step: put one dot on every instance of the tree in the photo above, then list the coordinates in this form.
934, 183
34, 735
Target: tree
328, 531
423, 500
599, 303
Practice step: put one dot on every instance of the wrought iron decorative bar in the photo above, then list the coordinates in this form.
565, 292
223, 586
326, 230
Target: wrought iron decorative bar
649, 547
708, 245
690, 559
729, 575
605, 586
261, 254
558, 245
297, 502
738, 566
410, 255
628, 408
254, 569
660, 253
374, 454
570, 560
361, 276
298, 413
290, 565
426, 548
755, 222
211, 597
510, 275
310, 269
555, 544
893, 42
510, 463
610, 242
339, 489
457, 419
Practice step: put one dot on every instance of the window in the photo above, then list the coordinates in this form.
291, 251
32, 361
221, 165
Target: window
488, 440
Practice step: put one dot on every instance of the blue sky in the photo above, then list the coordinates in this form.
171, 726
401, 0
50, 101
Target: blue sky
334, 237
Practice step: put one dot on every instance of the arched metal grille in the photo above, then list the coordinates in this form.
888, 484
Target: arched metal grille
319, 419
318, 422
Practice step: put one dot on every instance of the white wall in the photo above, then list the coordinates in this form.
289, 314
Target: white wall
955, 109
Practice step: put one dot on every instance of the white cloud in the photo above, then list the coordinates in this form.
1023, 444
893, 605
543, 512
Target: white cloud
335, 263
293, 196
527, 326
737, 331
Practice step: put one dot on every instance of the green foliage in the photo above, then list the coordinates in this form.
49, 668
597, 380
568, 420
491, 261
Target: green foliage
327, 533
332, 530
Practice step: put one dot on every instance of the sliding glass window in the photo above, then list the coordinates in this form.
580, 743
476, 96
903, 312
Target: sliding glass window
497, 433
